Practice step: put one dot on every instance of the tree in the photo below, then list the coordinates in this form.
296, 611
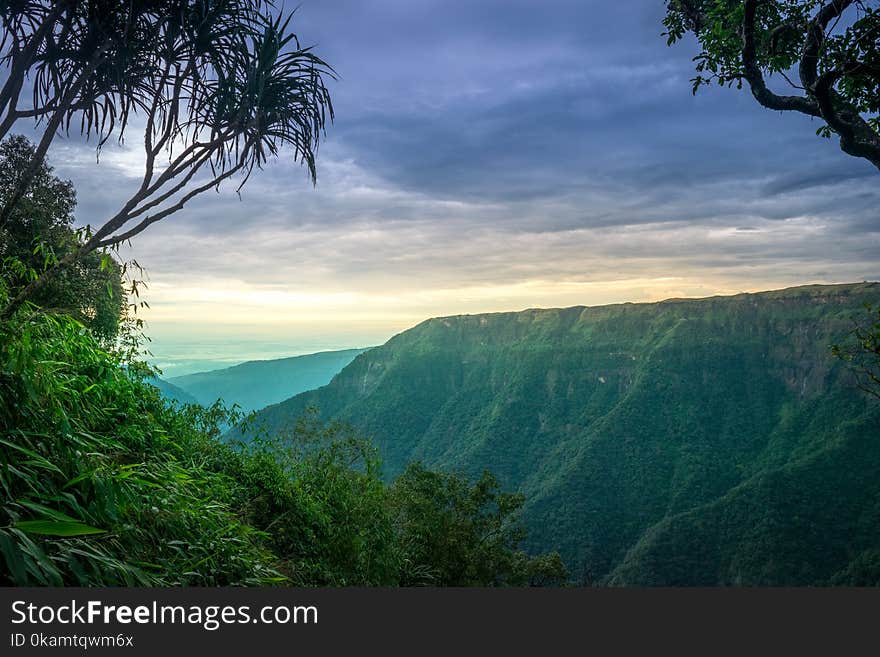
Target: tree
321, 500
222, 86
453, 533
861, 351
832, 47
39, 231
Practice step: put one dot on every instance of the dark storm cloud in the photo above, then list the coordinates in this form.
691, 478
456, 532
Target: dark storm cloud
515, 101
825, 174
500, 142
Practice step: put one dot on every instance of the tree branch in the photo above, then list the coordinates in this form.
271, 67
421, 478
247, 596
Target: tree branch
856, 135
25, 57
197, 164
97, 241
118, 239
43, 147
753, 75
809, 64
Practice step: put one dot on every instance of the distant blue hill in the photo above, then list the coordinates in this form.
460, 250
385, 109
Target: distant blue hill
172, 391
258, 383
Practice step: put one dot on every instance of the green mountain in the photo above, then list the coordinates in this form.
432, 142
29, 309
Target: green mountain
258, 383
705, 442
171, 391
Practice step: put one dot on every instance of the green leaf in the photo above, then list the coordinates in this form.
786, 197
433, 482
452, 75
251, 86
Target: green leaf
46, 511
37, 459
14, 562
57, 528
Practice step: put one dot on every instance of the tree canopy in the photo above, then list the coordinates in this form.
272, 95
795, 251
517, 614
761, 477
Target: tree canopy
40, 230
455, 533
861, 350
825, 55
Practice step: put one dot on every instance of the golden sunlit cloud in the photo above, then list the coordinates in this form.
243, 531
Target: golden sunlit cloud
234, 303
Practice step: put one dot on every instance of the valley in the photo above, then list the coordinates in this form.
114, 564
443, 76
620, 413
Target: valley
711, 441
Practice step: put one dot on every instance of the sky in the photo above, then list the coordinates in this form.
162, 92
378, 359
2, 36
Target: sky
491, 156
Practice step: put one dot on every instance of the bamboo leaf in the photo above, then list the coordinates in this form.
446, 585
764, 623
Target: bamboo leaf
57, 528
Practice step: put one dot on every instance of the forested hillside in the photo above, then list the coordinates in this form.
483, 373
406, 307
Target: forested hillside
711, 441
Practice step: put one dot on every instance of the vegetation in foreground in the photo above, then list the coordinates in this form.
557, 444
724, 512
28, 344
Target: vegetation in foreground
105, 482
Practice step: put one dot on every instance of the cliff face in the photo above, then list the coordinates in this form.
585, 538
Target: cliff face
648, 438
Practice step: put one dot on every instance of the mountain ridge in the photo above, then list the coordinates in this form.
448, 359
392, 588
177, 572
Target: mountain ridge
612, 419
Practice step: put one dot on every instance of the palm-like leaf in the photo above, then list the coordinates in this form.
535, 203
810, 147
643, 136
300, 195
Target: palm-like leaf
273, 98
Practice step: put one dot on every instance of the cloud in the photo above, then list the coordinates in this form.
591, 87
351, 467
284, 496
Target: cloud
822, 174
494, 154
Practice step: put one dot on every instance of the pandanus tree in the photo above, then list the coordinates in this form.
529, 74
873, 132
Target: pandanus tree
218, 87
825, 53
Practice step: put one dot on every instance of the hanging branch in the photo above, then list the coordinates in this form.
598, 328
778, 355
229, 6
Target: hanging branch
833, 45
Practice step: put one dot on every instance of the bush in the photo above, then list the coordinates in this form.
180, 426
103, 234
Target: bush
104, 482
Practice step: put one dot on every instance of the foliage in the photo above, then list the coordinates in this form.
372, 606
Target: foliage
861, 351
613, 420
317, 492
40, 231
102, 481
833, 49
200, 71
455, 534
